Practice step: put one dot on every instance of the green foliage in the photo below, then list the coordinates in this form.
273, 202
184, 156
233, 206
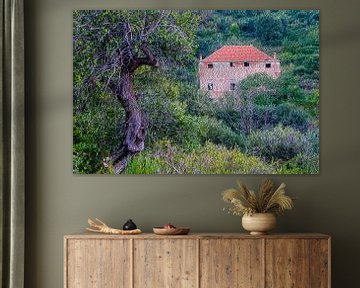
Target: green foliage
197, 102
144, 164
234, 29
307, 161
289, 90
302, 150
91, 142
279, 142
251, 106
257, 84
101, 35
301, 48
218, 133
303, 163
289, 86
269, 27
189, 126
289, 115
311, 103
209, 159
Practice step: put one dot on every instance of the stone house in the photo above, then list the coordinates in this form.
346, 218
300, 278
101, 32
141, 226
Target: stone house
221, 71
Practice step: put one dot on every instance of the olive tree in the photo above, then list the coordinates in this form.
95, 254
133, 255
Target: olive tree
109, 46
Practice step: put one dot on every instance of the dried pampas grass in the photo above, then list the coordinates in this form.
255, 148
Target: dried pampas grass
245, 201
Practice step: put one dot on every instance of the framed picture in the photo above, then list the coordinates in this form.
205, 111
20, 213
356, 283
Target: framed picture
196, 91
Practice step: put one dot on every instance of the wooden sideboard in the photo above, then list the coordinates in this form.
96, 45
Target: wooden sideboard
197, 260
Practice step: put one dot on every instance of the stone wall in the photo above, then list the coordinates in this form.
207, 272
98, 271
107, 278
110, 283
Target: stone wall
222, 75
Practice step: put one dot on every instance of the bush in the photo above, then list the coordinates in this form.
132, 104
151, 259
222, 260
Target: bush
290, 115
171, 119
303, 163
97, 131
198, 103
186, 120
208, 159
164, 115
218, 133
266, 26
276, 143
289, 87
308, 161
143, 163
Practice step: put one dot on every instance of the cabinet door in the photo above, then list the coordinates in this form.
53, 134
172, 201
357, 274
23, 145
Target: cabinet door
287, 263
231, 263
320, 263
165, 263
98, 263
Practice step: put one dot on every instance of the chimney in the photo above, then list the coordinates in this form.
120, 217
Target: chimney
201, 57
274, 55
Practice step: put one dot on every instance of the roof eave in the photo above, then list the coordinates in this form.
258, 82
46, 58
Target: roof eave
214, 61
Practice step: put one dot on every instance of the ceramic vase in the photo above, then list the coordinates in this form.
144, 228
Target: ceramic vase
259, 223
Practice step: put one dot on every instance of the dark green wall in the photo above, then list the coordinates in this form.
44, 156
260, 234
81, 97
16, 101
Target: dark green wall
59, 202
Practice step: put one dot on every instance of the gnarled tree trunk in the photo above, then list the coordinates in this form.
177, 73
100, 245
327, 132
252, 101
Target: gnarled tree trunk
135, 127
136, 123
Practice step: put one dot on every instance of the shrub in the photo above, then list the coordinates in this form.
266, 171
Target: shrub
164, 116
276, 143
209, 159
265, 26
250, 107
198, 103
218, 133
307, 161
290, 115
97, 131
303, 163
143, 164
215, 159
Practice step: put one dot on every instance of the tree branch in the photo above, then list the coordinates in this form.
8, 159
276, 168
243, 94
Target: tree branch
149, 58
153, 26
149, 55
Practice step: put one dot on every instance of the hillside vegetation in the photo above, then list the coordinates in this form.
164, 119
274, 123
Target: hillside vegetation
267, 126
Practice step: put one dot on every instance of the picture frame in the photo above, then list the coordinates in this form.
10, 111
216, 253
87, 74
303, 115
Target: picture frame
196, 92
12, 151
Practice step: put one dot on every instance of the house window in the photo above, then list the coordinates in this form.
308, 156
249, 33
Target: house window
210, 66
232, 86
231, 64
268, 65
246, 64
210, 86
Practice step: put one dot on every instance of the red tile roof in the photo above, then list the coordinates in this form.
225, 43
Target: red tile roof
237, 53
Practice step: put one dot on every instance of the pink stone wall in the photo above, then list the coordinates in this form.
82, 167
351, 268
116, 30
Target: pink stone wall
222, 74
